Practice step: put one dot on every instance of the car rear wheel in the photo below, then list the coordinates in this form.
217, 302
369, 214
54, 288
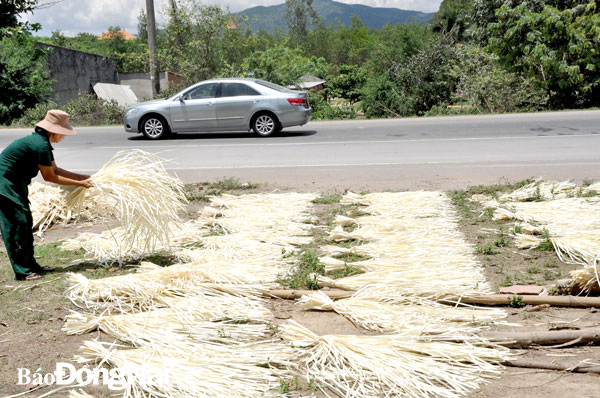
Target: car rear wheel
154, 128
265, 125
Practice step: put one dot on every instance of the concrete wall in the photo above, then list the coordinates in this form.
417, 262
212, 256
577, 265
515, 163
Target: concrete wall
141, 84
75, 71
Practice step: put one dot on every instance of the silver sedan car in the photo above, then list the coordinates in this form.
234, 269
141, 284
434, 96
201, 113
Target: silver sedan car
221, 105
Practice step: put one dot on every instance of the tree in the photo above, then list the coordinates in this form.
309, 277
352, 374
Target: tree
9, 12
299, 16
23, 78
204, 41
348, 83
395, 44
559, 48
489, 87
141, 26
283, 65
413, 86
453, 18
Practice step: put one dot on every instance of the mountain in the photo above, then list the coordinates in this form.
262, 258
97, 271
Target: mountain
273, 17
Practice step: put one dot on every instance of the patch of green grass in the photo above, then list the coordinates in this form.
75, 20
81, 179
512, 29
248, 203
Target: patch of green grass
301, 274
201, 192
344, 272
546, 244
351, 257
495, 190
231, 184
51, 255
164, 260
487, 250
328, 199
533, 270
589, 194
550, 275
467, 209
502, 241
517, 229
507, 281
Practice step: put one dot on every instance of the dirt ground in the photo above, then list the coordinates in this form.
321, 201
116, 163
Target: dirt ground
32, 314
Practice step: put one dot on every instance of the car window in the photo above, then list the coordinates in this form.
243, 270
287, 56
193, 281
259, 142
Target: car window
236, 90
208, 90
273, 86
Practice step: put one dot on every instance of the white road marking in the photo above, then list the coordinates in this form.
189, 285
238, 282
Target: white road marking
264, 144
452, 163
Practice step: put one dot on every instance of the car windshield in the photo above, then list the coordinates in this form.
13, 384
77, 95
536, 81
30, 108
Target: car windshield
273, 86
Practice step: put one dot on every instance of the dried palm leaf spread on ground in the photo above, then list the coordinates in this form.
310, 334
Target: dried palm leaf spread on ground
561, 214
204, 323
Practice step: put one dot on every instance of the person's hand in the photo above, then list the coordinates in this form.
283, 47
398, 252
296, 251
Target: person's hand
84, 177
86, 183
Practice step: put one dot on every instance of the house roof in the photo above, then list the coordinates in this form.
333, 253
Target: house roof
111, 34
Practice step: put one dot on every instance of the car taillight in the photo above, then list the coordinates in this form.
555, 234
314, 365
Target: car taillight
297, 101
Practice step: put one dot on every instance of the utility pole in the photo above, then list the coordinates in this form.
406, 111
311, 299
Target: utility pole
151, 29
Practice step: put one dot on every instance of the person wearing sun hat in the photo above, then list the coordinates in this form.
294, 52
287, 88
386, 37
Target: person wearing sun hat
19, 163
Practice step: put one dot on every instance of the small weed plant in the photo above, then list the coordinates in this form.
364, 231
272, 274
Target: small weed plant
516, 301
328, 199
302, 274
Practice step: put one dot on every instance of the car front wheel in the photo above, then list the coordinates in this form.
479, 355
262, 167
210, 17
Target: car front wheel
154, 128
265, 125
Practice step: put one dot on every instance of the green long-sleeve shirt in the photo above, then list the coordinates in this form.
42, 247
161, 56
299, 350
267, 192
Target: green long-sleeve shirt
19, 164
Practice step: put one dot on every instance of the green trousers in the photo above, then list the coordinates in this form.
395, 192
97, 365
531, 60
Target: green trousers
16, 225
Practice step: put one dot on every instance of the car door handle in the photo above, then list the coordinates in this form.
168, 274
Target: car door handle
254, 101
210, 104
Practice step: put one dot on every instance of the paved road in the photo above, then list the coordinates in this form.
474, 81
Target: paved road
428, 153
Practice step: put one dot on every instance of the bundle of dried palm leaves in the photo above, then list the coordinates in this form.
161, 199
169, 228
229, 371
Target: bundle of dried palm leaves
402, 365
424, 316
48, 203
210, 371
147, 198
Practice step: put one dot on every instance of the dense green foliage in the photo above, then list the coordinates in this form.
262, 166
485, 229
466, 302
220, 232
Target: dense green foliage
560, 49
478, 56
87, 110
9, 21
23, 77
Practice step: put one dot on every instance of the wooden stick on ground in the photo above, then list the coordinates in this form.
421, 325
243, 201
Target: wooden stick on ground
580, 368
491, 299
526, 339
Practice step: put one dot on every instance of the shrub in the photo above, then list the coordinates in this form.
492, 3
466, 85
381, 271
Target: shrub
323, 110
382, 98
35, 114
489, 87
86, 110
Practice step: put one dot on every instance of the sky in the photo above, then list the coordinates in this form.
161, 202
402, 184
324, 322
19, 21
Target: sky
95, 16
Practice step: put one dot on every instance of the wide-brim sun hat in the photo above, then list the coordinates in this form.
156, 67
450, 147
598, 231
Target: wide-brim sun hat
57, 121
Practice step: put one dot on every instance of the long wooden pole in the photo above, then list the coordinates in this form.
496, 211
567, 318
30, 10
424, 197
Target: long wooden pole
491, 299
552, 337
552, 366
